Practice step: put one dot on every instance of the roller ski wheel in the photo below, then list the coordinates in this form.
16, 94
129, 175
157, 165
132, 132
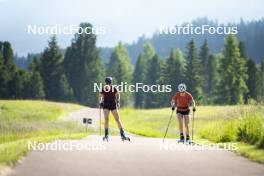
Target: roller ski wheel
189, 142
105, 138
125, 139
181, 141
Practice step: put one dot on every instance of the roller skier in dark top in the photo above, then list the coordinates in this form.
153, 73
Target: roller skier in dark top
110, 101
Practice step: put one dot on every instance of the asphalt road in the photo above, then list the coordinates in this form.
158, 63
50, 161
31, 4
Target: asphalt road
140, 157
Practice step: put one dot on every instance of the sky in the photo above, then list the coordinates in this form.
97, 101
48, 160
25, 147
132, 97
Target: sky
123, 20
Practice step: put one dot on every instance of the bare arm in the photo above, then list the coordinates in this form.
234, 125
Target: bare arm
172, 103
100, 98
193, 103
117, 98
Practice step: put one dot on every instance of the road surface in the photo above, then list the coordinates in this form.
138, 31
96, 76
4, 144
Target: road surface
142, 156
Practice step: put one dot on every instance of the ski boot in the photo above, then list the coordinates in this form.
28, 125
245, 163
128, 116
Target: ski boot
106, 138
181, 140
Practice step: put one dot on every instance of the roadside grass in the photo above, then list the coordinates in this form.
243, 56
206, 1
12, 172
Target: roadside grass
12, 151
250, 151
40, 121
242, 124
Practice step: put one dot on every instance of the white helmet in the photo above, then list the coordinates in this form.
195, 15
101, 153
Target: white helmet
182, 87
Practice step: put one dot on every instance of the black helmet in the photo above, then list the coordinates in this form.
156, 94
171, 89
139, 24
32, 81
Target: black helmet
108, 80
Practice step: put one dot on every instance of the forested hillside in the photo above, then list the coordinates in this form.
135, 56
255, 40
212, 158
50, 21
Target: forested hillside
228, 77
250, 32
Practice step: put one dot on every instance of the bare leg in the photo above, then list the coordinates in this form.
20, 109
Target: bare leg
180, 120
106, 117
117, 118
119, 124
186, 124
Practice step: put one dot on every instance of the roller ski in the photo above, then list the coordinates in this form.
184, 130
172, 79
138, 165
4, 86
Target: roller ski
105, 138
123, 136
181, 140
188, 141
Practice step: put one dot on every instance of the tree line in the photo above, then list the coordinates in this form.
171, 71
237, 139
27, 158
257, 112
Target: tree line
229, 77
250, 32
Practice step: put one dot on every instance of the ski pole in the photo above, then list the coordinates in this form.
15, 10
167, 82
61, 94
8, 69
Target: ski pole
100, 120
168, 126
192, 125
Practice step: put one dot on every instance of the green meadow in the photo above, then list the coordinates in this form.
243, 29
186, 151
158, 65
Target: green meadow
40, 121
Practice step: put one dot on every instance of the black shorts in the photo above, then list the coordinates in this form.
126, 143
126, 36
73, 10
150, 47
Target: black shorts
187, 112
110, 105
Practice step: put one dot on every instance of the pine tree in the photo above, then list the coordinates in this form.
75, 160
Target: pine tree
51, 69
152, 76
66, 92
16, 85
34, 88
120, 69
242, 50
251, 82
7, 53
34, 65
176, 69
37, 86
212, 78
148, 51
260, 84
139, 77
163, 80
3, 78
83, 67
9, 69
147, 54
204, 56
251, 72
232, 86
194, 72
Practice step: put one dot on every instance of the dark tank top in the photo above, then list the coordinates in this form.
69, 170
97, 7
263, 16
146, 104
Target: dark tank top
109, 93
